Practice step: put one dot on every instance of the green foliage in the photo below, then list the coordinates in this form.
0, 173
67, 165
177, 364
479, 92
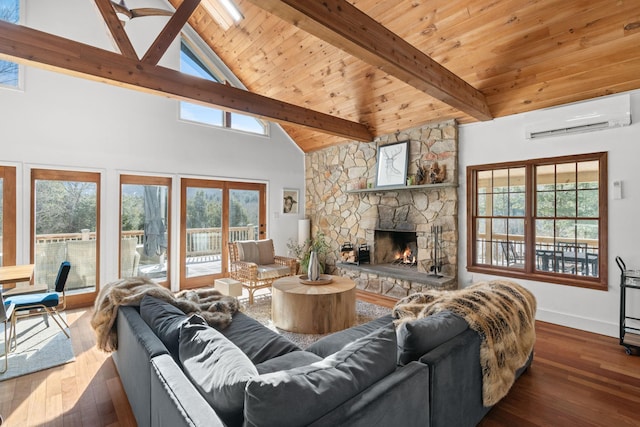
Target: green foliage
65, 206
302, 252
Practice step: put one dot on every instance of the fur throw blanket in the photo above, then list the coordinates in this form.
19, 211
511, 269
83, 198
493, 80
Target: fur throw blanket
214, 307
502, 312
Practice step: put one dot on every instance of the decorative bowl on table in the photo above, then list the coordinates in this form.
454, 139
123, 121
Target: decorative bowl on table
324, 279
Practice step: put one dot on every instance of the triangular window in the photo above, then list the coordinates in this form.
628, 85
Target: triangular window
193, 62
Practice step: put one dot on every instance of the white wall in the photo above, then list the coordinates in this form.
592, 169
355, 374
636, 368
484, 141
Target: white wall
503, 140
64, 122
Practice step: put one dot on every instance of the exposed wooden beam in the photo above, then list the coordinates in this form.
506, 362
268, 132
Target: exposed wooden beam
118, 34
36, 48
170, 32
343, 25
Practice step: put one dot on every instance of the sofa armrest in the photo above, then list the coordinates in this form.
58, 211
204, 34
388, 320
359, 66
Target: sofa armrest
456, 381
174, 399
137, 344
244, 271
399, 399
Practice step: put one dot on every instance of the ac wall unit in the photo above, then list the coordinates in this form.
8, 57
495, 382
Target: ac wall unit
598, 114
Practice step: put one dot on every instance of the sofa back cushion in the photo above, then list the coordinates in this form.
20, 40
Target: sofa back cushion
299, 396
255, 340
420, 336
217, 368
164, 320
265, 252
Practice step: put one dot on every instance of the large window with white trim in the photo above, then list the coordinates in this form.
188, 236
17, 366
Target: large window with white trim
542, 219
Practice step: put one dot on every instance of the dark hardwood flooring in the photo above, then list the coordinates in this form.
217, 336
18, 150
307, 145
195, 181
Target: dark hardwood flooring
577, 379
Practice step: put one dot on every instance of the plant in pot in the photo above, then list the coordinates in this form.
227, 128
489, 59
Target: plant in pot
303, 251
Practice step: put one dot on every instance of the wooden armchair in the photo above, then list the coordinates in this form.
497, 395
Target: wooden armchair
255, 264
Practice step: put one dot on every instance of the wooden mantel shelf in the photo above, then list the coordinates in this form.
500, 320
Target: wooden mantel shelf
403, 187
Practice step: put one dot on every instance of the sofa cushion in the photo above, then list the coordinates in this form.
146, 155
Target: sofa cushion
273, 271
295, 359
217, 368
248, 251
420, 336
255, 340
276, 399
164, 320
336, 341
265, 252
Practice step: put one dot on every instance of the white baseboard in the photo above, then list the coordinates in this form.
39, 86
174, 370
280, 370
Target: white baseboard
577, 322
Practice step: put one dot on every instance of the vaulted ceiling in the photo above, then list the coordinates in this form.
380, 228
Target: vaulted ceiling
335, 70
520, 54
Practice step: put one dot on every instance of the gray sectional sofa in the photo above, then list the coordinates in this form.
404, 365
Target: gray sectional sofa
177, 371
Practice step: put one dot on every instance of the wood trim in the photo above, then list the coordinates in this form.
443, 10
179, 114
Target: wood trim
9, 204
343, 25
170, 32
39, 49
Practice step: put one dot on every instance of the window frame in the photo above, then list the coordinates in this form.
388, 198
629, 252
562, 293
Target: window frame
529, 271
80, 299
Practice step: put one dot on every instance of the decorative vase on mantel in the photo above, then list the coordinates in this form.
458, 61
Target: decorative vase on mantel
313, 271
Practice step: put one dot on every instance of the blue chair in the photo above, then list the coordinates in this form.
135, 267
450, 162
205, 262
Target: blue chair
47, 301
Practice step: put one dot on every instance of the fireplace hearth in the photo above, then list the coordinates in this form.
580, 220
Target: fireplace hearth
397, 248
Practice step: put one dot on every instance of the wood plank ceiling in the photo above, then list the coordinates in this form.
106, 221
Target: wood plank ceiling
521, 54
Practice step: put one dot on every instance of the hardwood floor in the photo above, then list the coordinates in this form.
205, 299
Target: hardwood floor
576, 379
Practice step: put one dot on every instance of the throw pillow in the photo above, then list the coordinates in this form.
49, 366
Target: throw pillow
217, 368
420, 336
301, 395
164, 320
265, 252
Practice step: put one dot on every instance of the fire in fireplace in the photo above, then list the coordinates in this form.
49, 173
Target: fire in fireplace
396, 247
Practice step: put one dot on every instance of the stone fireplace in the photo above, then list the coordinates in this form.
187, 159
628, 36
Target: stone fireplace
341, 202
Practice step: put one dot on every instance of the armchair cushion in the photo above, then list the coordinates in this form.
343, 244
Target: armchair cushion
247, 251
272, 271
265, 252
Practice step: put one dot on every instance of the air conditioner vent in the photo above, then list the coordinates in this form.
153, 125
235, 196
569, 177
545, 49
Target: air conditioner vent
583, 117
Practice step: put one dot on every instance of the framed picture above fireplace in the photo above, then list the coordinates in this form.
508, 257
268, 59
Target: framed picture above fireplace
392, 164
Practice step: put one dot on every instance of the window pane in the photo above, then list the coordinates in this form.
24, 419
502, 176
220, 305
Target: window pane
144, 243
500, 180
482, 205
244, 210
566, 176
484, 182
9, 71
500, 204
588, 205
566, 206
204, 231
247, 124
546, 204
200, 114
65, 229
516, 204
588, 175
545, 178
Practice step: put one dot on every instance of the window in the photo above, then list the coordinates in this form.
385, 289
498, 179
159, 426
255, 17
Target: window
197, 65
144, 223
65, 215
9, 71
542, 219
7, 215
214, 213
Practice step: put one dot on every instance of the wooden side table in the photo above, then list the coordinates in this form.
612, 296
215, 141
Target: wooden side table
313, 309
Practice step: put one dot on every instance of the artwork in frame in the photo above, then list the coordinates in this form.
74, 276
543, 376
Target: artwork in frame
392, 164
290, 200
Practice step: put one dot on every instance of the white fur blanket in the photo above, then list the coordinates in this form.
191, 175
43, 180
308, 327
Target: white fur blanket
502, 312
216, 308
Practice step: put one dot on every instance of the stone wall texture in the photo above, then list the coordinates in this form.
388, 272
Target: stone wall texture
346, 216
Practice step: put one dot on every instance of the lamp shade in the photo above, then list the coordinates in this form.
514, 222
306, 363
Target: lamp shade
304, 230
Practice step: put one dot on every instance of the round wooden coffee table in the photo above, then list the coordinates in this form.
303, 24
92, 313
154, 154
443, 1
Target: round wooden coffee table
313, 309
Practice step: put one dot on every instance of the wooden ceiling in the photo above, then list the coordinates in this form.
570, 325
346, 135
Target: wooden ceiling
521, 55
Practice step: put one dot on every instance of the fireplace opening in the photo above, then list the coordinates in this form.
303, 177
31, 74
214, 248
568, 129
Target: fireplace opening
396, 247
